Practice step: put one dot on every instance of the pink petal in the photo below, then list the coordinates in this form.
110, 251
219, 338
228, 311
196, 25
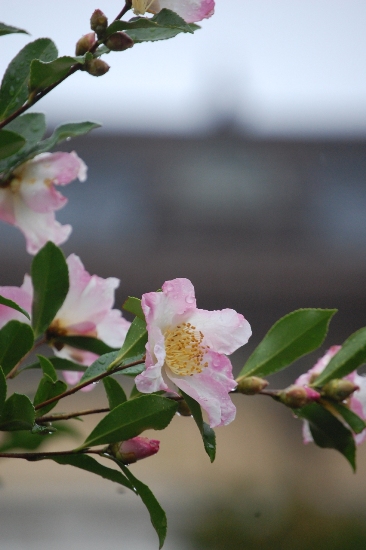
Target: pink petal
113, 328
306, 433
211, 388
22, 296
224, 331
73, 377
306, 378
189, 10
138, 448
151, 379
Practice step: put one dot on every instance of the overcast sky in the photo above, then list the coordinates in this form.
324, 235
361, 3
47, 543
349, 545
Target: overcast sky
270, 66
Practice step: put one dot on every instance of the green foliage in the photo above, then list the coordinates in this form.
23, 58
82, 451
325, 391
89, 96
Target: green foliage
16, 340
3, 389
356, 423
115, 393
43, 74
13, 305
32, 440
8, 29
351, 355
293, 336
17, 414
133, 305
99, 366
59, 363
207, 433
48, 387
150, 412
86, 343
133, 347
10, 143
14, 86
166, 24
157, 514
328, 432
65, 131
50, 278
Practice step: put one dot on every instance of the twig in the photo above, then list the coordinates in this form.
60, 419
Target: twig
67, 416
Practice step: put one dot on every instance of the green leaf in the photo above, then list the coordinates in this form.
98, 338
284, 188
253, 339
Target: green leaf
47, 368
328, 432
9, 303
356, 423
30, 440
115, 392
47, 390
65, 132
91, 465
133, 305
10, 143
293, 336
50, 278
14, 86
3, 389
8, 29
18, 413
351, 355
86, 343
157, 514
150, 412
59, 363
99, 366
16, 340
133, 371
134, 345
44, 74
207, 433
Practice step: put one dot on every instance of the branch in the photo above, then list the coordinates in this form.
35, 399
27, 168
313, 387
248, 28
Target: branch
67, 416
42, 456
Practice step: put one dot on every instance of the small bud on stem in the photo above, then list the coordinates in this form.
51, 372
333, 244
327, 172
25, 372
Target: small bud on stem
118, 42
297, 396
96, 67
98, 23
339, 389
251, 385
134, 449
84, 44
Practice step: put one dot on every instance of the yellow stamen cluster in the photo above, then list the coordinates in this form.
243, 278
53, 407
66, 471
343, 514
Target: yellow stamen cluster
141, 6
184, 350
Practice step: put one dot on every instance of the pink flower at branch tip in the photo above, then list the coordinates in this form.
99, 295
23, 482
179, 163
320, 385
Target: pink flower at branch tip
86, 311
356, 402
136, 449
28, 200
190, 10
189, 345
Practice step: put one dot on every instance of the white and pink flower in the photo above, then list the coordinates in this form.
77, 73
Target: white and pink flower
29, 199
190, 10
86, 311
356, 402
189, 346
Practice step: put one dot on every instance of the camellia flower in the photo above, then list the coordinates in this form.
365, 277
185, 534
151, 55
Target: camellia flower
86, 311
190, 10
29, 199
189, 346
356, 402
136, 449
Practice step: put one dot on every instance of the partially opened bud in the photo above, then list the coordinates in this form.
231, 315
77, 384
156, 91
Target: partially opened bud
96, 67
251, 385
339, 389
135, 449
84, 44
118, 42
98, 22
297, 396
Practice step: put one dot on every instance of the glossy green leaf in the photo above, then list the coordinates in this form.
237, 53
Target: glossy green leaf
133, 371
293, 336
17, 414
59, 363
328, 432
99, 366
3, 389
9, 303
50, 278
45, 74
8, 29
31, 441
356, 423
89, 464
47, 390
14, 86
133, 305
207, 433
115, 393
16, 340
150, 412
86, 343
65, 132
10, 143
134, 345
47, 368
157, 514
351, 355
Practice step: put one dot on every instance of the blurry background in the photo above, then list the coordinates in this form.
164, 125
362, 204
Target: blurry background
236, 158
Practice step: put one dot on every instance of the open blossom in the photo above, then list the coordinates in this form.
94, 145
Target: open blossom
29, 199
356, 402
86, 311
189, 345
136, 449
190, 10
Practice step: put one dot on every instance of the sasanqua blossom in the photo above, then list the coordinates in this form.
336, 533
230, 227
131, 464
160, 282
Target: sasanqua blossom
190, 10
136, 449
189, 346
28, 200
356, 402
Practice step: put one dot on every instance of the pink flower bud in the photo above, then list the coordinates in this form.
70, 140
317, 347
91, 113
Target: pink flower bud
135, 449
96, 67
297, 396
339, 389
84, 44
118, 42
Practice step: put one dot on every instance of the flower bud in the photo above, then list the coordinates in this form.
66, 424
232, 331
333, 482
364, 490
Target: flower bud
251, 385
134, 449
339, 389
96, 67
118, 42
84, 44
297, 396
183, 408
98, 23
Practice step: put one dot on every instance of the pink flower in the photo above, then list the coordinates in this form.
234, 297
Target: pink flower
189, 345
86, 311
189, 10
356, 402
137, 448
29, 199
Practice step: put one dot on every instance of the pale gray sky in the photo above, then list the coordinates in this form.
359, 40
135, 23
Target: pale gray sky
274, 66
